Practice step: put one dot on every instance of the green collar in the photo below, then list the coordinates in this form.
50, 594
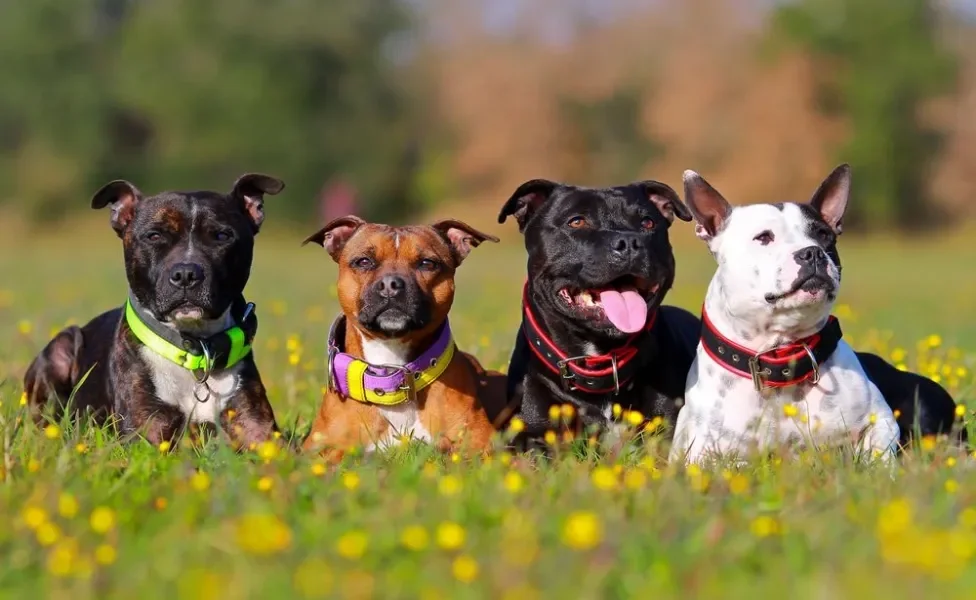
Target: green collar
220, 351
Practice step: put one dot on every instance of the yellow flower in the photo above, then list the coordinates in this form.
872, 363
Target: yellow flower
634, 417
617, 410
33, 465
568, 410
318, 469
790, 410
455, 457
505, 458
350, 480
164, 446
200, 481
352, 545
67, 505
450, 535
934, 340
582, 530
267, 450
63, 559
23, 399
967, 518
513, 482
81, 448
161, 503
415, 538
928, 442
265, 484
262, 534
52, 432
635, 479
654, 424
951, 462
102, 519
555, 412
449, 485
105, 554
896, 413
764, 526
603, 478
25, 327
550, 437
895, 517
465, 568
951, 486
739, 484
960, 410
516, 425
294, 358
47, 533
898, 355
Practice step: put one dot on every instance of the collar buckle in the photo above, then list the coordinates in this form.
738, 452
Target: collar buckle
330, 369
757, 372
409, 379
202, 375
815, 373
566, 376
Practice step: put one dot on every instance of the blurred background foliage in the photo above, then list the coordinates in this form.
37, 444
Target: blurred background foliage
409, 105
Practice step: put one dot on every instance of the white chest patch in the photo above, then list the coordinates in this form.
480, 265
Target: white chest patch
178, 387
403, 418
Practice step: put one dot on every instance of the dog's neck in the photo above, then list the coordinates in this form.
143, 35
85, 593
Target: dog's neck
758, 327
203, 328
380, 351
574, 342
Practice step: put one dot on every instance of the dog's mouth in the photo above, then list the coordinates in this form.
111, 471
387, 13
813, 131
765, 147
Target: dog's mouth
623, 302
813, 285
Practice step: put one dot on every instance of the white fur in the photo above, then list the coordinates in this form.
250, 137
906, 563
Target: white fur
742, 420
404, 418
178, 387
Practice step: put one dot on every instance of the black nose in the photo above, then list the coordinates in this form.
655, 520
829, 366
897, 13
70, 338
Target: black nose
186, 275
626, 245
811, 255
390, 286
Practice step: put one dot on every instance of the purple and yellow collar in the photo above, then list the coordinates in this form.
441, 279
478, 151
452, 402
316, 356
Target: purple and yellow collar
386, 384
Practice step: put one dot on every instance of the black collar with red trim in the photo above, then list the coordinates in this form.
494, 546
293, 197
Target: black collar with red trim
598, 374
783, 366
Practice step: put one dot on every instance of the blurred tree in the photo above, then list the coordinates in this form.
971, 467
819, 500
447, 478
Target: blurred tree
191, 94
879, 62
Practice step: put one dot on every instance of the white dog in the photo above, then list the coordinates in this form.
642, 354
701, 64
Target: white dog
771, 368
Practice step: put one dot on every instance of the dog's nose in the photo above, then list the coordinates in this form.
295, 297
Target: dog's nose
811, 255
390, 286
186, 275
626, 245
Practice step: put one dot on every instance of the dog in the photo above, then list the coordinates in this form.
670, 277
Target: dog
394, 371
178, 352
593, 331
772, 369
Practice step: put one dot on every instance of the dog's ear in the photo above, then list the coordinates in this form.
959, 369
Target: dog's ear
666, 200
707, 206
250, 189
527, 199
333, 237
122, 196
831, 197
462, 237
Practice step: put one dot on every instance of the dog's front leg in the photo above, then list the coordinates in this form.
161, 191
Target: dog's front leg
248, 418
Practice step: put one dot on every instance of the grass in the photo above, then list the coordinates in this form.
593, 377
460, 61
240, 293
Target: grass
88, 517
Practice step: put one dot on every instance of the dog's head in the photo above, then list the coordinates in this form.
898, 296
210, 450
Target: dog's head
188, 254
396, 282
774, 258
599, 258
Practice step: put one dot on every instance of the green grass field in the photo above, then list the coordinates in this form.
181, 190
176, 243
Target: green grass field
89, 518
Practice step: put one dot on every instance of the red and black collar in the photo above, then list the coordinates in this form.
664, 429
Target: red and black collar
783, 366
599, 374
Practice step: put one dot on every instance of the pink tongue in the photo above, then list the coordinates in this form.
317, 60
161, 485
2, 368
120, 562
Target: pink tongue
627, 310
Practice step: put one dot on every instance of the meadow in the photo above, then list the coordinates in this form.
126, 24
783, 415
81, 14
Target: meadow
89, 518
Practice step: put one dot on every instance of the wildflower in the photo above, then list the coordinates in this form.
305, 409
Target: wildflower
951, 486
67, 506
960, 410
555, 412
63, 559
505, 458
200, 481
934, 340
47, 533
617, 410
790, 410
516, 425
654, 424
25, 327
582, 530
550, 437
352, 545
164, 446
449, 485
318, 469
102, 520
873, 418
450, 535
23, 399
928, 443
896, 413
415, 538
635, 479
161, 503
898, 355
764, 526
568, 410
513, 482
267, 450
52, 432
350, 480
81, 448
262, 534
950, 462
603, 478
105, 554
33, 465
265, 484
465, 569
455, 457
738, 484
634, 417
895, 517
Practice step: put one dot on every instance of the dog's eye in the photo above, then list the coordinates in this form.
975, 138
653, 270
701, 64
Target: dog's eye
647, 224
428, 265
222, 236
577, 222
765, 238
364, 263
153, 236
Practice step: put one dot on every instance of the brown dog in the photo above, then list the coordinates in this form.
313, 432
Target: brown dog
394, 370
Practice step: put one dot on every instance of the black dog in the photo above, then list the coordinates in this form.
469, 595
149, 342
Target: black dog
178, 352
593, 331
